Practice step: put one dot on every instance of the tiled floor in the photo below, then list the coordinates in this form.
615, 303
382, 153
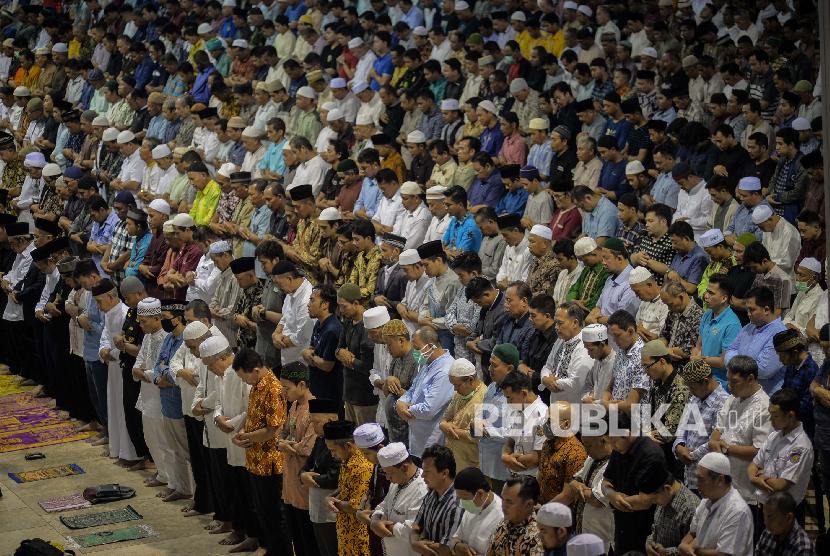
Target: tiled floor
22, 518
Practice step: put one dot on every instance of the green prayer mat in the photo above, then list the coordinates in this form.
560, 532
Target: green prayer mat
101, 518
109, 537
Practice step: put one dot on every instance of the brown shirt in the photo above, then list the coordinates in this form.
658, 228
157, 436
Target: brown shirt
301, 431
266, 408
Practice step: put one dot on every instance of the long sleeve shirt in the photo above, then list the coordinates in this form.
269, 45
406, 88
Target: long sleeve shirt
296, 323
756, 342
694, 207
171, 398
428, 398
233, 404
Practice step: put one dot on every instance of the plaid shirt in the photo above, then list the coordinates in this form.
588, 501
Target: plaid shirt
671, 523
121, 241
632, 236
797, 543
698, 444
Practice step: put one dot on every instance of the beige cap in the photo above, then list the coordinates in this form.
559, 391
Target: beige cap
539, 124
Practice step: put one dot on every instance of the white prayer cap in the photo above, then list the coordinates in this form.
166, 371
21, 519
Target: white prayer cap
355, 43
801, 124
450, 104
634, 167
542, 231
334, 115
183, 220
375, 317
436, 192
229, 3
488, 106
149, 307
718, 463
330, 214
517, 85
213, 346
161, 151
462, 368
22, 91
416, 136
540, 124
410, 256
100, 121
368, 435
338, 83
239, 43
125, 136
60, 47
811, 264
584, 245
554, 514
365, 119
204, 29
253, 132
570, 5
649, 51
160, 205
307, 92
195, 330
710, 238
461, 5
219, 247
639, 275
585, 10
420, 31
761, 213
51, 170
227, 169
586, 544
34, 160
750, 183
394, 453
410, 188
594, 333
359, 87
168, 227
110, 134
518, 16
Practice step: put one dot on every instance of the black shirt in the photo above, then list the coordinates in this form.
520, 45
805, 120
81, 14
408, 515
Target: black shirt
764, 171
357, 390
541, 344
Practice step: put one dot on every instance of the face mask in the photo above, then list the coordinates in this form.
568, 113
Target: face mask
470, 506
422, 355
801, 286
508, 59
167, 325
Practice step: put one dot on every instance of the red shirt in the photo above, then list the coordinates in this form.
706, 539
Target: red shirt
566, 224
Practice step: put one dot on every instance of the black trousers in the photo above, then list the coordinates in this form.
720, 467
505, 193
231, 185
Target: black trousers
34, 351
302, 533
266, 494
12, 356
132, 416
199, 465
55, 349
79, 405
244, 518
325, 535
220, 484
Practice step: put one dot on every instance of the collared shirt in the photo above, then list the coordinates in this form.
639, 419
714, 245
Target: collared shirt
652, 315
491, 253
171, 398
440, 292
477, 530
517, 538
205, 203
400, 506
490, 447
628, 373
560, 460
742, 222
698, 444
804, 307
681, 329
716, 335
465, 236
353, 483
266, 408
617, 294
786, 456
589, 285
232, 402
724, 525
491, 140
390, 212
513, 202
102, 235
671, 522
312, 171
296, 324
565, 279
413, 298
428, 398
205, 282
540, 157
796, 543
602, 221
149, 397
369, 198
488, 192
515, 264
569, 363
539, 207
439, 516
690, 266
665, 190
413, 226
659, 249
783, 244
464, 312
756, 342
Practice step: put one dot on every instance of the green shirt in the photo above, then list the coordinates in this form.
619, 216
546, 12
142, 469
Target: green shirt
588, 286
205, 203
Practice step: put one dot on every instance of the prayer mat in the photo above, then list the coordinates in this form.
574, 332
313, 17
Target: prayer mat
101, 518
27, 422
109, 537
65, 503
47, 473
9, 385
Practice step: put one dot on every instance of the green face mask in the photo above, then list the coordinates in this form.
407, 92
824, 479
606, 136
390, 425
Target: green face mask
470, 506
802, 286
423, 358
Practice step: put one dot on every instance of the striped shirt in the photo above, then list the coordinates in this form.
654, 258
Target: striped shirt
439, 516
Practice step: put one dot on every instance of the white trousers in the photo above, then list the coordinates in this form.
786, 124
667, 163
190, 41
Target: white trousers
179, 474
120, 444
154, 437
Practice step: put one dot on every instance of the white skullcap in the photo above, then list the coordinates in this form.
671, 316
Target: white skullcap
338, 83
634, 167
554, 514
416, 136
355, 42
410, 256
461, 5
213, 346
811, 264
334, 115
204, 29
149, 307
365, 119
639, 275
330, 214
161, 151
539, 124
307, 92
585, 10
801, 124
542, 231
34, 160
21, 91
253, 132
51, 170
375, 317
168, 227
60, 47
761, 213
718, 463
488, 106
517, 85
125, 136
594, 333
462, 368
195, 330
239, 43
584, 245
227, 169
100, 121
160, 205
359, 87
410, 188
392, 454
518, 16
710, 238
436, 192
183, 220
570, 5
649, 51
368, 435
450, 104
420, 31
219, 247
586, 544
110, 134
750, 183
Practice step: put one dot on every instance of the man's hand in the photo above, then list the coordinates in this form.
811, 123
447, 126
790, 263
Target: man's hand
683, 454
198, 410
309, 479
393, 385
84, 322
460, 330
138, 374
189, 376
426, 548
403, 410
381, 527
620, 502
512, 462
242, 439
222, 424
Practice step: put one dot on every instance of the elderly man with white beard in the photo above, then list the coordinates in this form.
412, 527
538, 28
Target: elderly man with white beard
568, 365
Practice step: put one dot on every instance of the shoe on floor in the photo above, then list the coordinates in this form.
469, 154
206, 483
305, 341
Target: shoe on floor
101, 441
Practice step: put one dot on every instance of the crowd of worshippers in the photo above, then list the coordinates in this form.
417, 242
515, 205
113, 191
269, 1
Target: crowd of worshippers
346, 276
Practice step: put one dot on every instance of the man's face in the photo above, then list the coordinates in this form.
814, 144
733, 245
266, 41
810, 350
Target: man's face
514, 304
758, 315
623, 337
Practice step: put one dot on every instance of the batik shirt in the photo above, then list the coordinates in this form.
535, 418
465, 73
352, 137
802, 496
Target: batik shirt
246, 337
543, 273
352, 535
13, 176
522, 538
628, 373
365, 271
266, 408
681, 329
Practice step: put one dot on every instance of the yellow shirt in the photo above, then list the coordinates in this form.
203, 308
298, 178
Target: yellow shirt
352, 535
205, 203
74, 48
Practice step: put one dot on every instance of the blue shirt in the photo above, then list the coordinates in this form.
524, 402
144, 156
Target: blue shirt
201, 88
603, 221
102, 235
382, 66
619, 130
144, 72
742, 222
667, 116
273, 159
294, 12
491, 139
486, 193
369, 197
92, 337
465, 236
260, 225
137, 253
171, 398
617, 294
756, 342
690, 266
429, 396
665, 190
612, 177
716, 335
540, 157
518, 332
228, 29
489, 447
157, 128
514, 201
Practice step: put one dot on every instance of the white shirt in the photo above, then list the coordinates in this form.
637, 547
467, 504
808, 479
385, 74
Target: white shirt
364, 64
149, 397
787, 456
400, 506
652, 315
233, 403
477, 530
598, 521
569, 362
372, 109
205, 282
349, 105
600, 375
74, 89
132, 169
5, 64
413, 226
29, 194
437, 227
516, 263
804, 308
442, 51
564, 281
264, 114
251, 162
724, 525
35, 130
208, 392
210, 145
184, 359
311, 171
390, 212
528, 421
113, 324
51, 281
783, 244
694, 207
296, 324
166, 179
327, 134
20, 267
413, 298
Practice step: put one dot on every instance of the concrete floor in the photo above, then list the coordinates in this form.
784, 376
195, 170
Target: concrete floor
22, 518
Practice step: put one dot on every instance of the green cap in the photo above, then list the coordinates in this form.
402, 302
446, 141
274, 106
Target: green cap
214, 44
655, 348
295, 372
349, 292
507, 353
615, 244
475, 38
746, 239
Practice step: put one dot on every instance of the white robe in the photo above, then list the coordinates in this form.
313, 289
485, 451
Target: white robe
401, 508
120, 445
